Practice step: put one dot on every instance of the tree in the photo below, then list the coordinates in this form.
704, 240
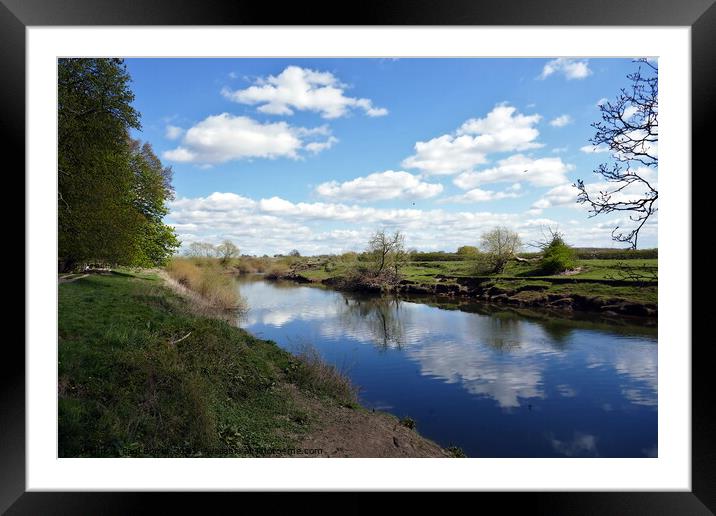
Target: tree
386, 249
111, 189
500, 245
151, 189
96, 217
630, 130
201, 249
468, 251
227, 250
294, 253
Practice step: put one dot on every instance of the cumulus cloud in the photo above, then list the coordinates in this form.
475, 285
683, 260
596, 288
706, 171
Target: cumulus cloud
480, 195
380, 186
561, 121
272, 225
225, 137
302, 89
502, 130
538, 172
569, 68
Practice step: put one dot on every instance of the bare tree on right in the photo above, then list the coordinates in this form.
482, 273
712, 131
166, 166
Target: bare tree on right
629, 129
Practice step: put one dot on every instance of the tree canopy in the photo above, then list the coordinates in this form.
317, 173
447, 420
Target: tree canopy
112, 189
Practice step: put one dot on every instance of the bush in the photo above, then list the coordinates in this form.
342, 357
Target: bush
468, 251
557, 257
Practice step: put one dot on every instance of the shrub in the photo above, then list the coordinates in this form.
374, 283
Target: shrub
557, 257
468, 251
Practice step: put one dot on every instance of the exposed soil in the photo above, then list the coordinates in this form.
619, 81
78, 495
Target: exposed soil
354, 432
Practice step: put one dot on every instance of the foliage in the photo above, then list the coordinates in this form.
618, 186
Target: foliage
227, 251
557, 256
500, 245
467, 251
111, 189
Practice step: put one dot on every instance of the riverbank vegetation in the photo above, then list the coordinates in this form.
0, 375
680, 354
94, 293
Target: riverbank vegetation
208, 280
555, 275
141, 375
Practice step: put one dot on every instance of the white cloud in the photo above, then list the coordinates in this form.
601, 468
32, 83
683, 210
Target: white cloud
538, 172
561, 195
224, 137
602, 101
502, 130
560, 150
172, 132
316, 147
302, 89
380, 186
480, 195
630, 111
561, 121
570, 68
275, 224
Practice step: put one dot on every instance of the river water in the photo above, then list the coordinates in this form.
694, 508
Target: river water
494, 381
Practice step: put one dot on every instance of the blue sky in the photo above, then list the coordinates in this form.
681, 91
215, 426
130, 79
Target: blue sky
315, 154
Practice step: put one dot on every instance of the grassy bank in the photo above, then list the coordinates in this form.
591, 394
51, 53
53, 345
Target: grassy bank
140, 374
598, 282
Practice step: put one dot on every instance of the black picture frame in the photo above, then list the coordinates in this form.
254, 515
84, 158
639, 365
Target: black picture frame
17, 15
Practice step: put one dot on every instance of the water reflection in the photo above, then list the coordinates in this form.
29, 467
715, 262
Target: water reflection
577, 383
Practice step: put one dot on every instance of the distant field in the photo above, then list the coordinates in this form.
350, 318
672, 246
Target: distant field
590, 269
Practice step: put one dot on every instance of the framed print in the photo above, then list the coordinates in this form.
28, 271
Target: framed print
424, 232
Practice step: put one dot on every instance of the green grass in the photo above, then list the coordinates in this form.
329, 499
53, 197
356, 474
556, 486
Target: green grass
140, 376
518, 276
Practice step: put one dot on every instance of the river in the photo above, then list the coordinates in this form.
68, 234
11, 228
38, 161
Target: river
494, 381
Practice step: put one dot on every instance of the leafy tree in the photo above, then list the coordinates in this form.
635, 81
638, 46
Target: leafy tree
150, 190
227, 250
294, 253
500, 245
630, 129
111, 189
96, 218
468, 251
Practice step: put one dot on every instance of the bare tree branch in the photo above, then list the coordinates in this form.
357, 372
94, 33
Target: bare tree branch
630, 129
